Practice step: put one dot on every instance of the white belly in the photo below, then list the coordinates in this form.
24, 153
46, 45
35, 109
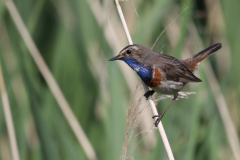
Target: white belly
169, 87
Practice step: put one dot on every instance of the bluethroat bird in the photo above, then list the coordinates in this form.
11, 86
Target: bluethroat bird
164, 74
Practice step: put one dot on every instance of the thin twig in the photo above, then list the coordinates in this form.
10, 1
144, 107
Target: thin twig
168, 27
65, 107
8, 118
151, 102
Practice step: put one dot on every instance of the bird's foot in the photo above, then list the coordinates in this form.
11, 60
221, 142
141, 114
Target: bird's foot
149, 93
158, 119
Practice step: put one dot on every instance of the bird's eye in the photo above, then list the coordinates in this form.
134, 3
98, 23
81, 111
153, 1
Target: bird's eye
129, 51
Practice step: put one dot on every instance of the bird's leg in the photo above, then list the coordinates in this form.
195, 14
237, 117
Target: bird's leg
161, 115
149, 93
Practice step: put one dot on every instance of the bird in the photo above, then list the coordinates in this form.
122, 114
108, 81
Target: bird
164, 74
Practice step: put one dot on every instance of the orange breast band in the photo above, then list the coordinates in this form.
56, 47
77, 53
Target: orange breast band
157, 78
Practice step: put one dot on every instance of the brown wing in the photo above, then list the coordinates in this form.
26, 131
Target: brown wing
173, 68
178, 73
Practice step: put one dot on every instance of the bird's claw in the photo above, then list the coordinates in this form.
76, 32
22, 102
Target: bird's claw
158, 119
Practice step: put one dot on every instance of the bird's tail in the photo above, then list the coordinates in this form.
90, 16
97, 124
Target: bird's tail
193, 62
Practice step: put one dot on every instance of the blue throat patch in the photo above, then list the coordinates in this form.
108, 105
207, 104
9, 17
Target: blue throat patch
145, 73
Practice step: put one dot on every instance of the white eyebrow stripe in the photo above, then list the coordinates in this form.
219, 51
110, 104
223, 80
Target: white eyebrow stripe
135, 47
129, 47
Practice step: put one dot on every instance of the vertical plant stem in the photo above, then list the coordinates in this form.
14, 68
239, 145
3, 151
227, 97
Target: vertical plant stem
61, 100
223, 110
152, 105
8, 118
219, 99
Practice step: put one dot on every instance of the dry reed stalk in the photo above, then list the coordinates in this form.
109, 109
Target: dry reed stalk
61, 100
113, 36
136, 111
217, 24
8, 118
151, 102
215, 87
232, 135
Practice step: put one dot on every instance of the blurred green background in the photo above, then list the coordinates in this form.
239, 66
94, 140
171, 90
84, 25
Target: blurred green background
76, 38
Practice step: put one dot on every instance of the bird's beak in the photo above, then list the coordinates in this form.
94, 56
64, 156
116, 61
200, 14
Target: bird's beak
115, 58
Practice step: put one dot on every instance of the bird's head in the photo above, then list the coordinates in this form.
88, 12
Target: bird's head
132, 52
134, 56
